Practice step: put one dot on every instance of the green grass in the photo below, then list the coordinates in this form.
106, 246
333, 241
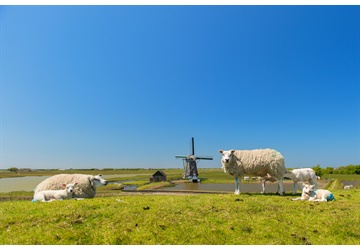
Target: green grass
115, 217
182, 220
343, 177
156, 185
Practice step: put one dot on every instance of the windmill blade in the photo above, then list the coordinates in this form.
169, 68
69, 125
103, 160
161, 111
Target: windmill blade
181, 156
203, 158
192, 146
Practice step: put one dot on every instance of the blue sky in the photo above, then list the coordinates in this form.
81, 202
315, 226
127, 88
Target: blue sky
128, 86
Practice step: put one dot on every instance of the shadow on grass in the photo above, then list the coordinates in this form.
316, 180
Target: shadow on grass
272, 194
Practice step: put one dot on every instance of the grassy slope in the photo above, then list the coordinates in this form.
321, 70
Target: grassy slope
185, 219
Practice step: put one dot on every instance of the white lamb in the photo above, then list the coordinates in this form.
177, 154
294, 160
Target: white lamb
310, 193
302, 175
51, 195
348, 186
86, 188
259, 162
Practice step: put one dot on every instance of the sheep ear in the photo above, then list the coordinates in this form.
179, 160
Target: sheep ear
220, 151
76, 183
232, 151
63, 185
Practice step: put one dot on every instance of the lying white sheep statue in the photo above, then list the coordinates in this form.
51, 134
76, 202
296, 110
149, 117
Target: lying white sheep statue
302, 175
310, 193
86, 187
258, 162
51, 195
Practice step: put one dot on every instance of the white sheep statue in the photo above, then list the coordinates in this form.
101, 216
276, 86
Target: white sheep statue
51, 195
302, 175
258, 162
311, 194
86, 187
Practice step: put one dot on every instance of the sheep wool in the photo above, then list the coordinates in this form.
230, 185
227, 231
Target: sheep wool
258, 162
84, 188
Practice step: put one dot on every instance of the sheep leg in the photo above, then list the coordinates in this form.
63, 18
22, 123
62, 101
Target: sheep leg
323, 198
295, 183
40, 197
280, 185
237, 186
320, 200
263, 186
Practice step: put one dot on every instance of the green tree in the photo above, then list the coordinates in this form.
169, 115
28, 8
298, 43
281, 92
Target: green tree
318, 170
13, 169
328, 170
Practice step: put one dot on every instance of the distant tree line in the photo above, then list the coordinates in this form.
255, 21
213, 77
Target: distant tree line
349, 169
13, 169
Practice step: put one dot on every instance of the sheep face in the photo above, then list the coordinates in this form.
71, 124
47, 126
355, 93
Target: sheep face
70, 187
98, 181
308, 188
226, 156
289, 174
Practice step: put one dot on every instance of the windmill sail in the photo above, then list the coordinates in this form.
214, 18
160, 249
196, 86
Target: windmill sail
181, 156
203, 158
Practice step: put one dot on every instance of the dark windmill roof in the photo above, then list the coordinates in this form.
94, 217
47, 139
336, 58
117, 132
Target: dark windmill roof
159, 173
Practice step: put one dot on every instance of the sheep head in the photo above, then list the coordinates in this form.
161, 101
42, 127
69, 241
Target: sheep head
97, 181
70, 187
227, 156
308, 188
289, 174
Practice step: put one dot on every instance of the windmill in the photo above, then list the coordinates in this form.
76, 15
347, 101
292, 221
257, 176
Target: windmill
190, 163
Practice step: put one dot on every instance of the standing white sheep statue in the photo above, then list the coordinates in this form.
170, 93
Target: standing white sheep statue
258, 162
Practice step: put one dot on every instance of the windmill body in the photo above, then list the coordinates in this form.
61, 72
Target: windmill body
190, 164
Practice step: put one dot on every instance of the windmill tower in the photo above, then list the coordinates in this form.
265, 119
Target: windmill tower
190, 163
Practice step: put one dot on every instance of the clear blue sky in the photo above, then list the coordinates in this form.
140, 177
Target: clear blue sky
128, 86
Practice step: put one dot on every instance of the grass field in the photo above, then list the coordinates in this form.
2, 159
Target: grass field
183, 219
117, 218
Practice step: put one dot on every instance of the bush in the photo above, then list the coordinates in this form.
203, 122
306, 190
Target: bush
350, 169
